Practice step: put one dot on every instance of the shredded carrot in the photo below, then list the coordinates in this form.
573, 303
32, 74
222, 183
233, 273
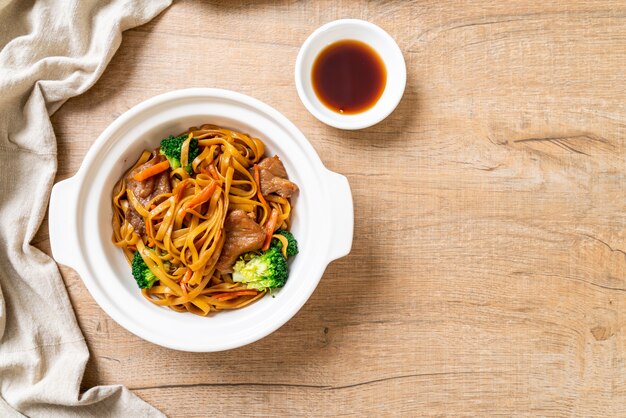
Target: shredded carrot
151, 171
181, 190
204, 195
257, 179
233, 295
187, 276
269, 229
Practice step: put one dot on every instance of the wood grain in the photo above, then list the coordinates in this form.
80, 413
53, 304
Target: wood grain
488, 271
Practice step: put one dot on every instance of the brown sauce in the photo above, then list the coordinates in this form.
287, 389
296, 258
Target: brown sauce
349, 77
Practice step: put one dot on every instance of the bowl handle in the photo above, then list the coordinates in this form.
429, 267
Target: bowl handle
62, 224
341, 214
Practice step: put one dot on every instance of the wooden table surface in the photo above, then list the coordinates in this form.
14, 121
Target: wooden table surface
488, 270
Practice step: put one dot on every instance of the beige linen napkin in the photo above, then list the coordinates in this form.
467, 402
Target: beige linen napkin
51, 51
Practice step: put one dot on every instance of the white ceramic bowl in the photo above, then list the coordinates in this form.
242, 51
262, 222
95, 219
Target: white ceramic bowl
375, 37
80, 219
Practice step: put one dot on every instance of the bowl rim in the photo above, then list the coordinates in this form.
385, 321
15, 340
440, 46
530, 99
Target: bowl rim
62, 206
375, 114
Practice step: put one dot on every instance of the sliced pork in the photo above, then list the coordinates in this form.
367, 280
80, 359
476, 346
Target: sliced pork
146, 190
243, 235
274, 179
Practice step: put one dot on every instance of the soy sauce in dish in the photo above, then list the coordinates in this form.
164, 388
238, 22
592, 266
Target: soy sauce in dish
349, 76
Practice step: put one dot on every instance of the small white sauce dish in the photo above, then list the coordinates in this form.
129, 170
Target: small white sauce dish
376, 38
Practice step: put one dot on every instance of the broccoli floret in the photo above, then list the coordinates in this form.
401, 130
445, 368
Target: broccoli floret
267, 270
171, 147
144, 277
292, 244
